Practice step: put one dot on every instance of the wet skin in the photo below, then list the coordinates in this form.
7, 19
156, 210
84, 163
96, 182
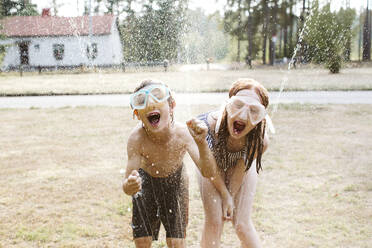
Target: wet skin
242, 184
158, 146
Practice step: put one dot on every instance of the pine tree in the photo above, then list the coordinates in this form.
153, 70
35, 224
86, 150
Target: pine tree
18, 8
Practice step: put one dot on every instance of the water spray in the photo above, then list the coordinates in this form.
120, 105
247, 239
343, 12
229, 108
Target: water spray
291, 62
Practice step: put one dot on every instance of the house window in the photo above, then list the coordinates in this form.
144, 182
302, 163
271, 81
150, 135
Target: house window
58, 51
92, 51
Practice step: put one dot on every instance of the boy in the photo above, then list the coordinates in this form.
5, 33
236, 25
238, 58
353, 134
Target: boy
155, 174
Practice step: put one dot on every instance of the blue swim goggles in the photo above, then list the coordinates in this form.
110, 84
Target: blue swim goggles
158, 92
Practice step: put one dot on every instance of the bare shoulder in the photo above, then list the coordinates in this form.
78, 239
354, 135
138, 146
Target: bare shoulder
181, 130
136, 137
212, 119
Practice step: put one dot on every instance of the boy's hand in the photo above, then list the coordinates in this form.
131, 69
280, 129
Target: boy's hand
227, 207
133, 184
198, 129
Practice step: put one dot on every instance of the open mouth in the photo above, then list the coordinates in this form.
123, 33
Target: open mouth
238, 127
154, 118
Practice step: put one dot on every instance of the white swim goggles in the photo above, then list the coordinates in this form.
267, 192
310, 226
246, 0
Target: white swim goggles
158, 92
255, 110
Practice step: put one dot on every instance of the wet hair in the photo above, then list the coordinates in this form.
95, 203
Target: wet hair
255, 138
148, 82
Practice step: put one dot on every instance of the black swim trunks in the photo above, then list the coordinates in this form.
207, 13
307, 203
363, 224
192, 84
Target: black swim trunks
161, 200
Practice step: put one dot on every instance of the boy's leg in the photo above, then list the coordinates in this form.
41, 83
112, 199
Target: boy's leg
243, 208
176, 243
213, 222
143, 242
174, 204
145, 218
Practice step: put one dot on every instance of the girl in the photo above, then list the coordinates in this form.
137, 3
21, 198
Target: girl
236, 136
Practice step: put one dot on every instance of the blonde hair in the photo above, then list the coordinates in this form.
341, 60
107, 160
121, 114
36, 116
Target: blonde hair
148, 82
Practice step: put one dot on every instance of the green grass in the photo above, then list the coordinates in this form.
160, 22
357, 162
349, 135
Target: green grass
273, 79
41, 234
60, 181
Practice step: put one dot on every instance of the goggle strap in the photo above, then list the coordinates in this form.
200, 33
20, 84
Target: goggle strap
219, 119
270, 124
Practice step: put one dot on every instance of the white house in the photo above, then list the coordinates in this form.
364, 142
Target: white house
51, 41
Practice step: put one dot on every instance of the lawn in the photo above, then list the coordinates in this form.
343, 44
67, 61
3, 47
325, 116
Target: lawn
60, 184
307, 78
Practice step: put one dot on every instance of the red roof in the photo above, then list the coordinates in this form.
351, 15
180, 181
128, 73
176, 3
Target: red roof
26, 26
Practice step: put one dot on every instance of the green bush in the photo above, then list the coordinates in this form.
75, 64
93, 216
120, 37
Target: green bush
328, 35
334, 63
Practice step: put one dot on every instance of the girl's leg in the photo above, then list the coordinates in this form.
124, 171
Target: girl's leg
243, 208
213, 223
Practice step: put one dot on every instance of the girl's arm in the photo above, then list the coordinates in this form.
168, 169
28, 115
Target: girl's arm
237, 176
239, 171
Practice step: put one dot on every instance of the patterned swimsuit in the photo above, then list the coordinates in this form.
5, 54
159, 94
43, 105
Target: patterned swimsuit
224, 158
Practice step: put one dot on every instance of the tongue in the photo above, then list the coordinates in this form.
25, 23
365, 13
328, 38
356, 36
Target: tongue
239, 126
154, 119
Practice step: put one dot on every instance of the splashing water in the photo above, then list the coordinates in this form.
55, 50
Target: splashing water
290, 64
82, 44
139, 201
179, 212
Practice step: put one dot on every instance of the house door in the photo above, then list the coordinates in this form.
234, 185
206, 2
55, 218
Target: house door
23, 50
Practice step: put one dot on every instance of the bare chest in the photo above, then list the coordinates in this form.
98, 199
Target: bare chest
161, 160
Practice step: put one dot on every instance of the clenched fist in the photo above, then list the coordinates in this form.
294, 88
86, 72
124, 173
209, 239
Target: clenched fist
198, 129
133, 183
227, 207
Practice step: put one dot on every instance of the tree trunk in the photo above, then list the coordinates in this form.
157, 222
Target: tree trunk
291, 23
239, 26
264, 29
285, 42
285, 31
302, 25
273, 33
348, 49
249, 33
366, 38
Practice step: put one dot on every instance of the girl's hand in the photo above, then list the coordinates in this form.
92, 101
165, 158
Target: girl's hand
227, 207
133, 184
198, 130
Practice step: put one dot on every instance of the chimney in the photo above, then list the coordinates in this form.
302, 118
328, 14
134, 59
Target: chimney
45, 12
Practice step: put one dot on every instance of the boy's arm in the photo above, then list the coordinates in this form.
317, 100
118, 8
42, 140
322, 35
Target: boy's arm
132, 181
198, 149
202, 156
